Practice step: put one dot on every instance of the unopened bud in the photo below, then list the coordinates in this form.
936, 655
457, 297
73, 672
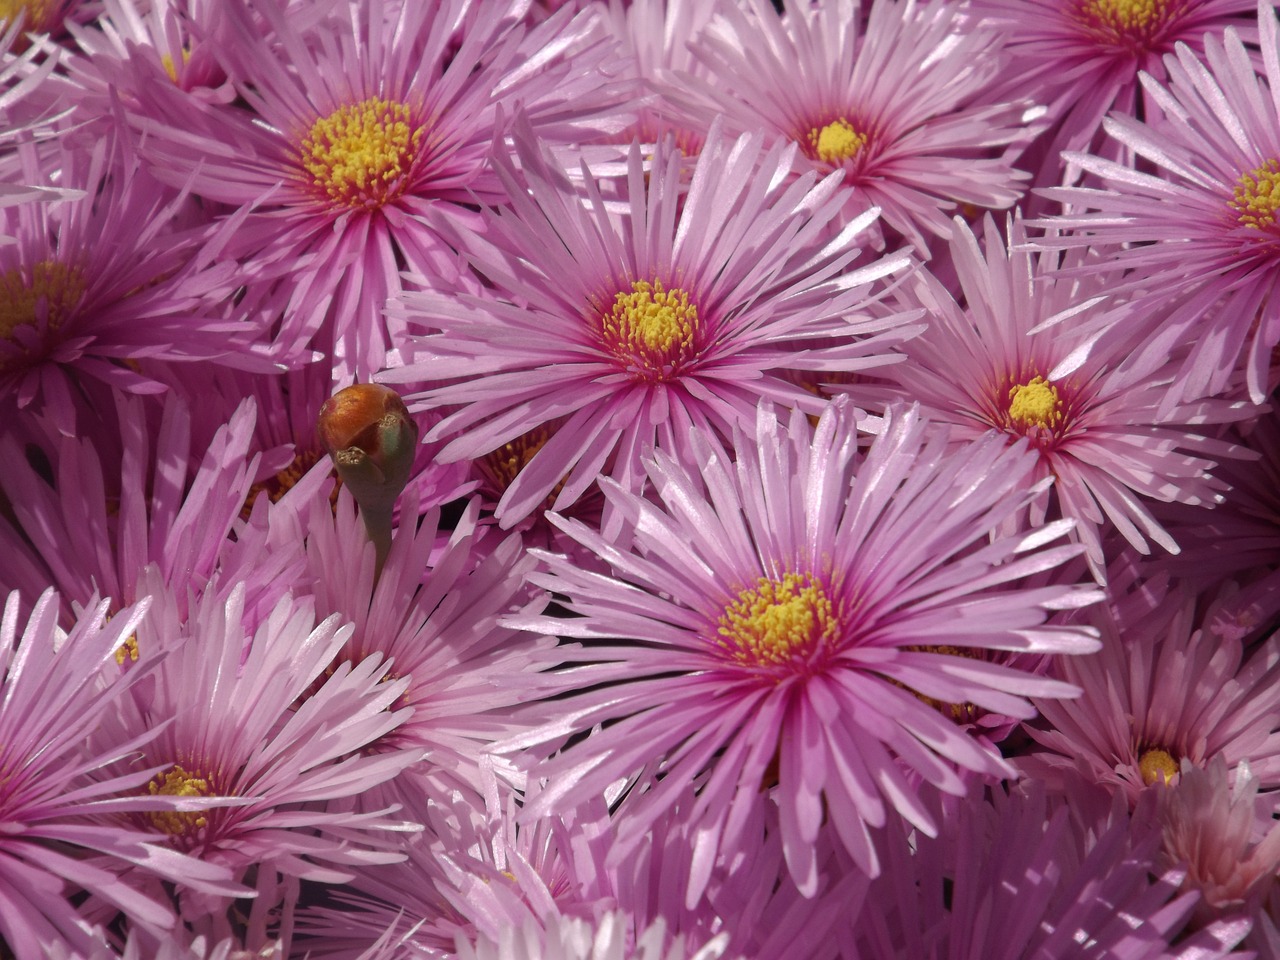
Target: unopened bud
372, 441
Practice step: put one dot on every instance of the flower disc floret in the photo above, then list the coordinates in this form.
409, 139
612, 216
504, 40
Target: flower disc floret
361, 154
38, 13
779, 621
1257, 197
49, 289
1036, 408
284, 480
177, 781
1035, 403
1124, 21
651, 329
1157, 765
836, 142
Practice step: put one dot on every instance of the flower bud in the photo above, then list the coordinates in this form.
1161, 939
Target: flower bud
372, 440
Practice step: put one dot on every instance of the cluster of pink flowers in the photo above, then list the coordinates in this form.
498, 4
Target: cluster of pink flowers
806, 479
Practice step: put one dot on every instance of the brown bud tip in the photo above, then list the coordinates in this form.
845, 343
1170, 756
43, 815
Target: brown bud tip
357, 417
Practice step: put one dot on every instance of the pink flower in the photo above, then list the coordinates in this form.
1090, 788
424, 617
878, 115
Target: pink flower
1083, 57
55, 811
96, 281
265, 722
358, 126
434, 615
791, 612
628, 329
1218, 829
1022, 357
1199, 234
1163, 692
133, 42
886, 96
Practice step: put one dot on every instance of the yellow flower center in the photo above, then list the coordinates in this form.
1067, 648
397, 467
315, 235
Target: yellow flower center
777, 622
959, 712
837, 141
1257, 197
177, 782
502, 466
361, 155
49, 290
1035, 404
37, 13
1157, 766
128, 651
1124, 16
651, 329
286, 479
171, 66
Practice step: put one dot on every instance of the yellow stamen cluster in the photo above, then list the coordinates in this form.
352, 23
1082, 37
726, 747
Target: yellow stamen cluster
361, 154
1124, 16
959, 712
837, 141
1157, 766
651, 329
284, 480
1257, 196
503, 465
128, 651
56, 288
37, 13
1035, 404
171, 66
177, 782
779, 621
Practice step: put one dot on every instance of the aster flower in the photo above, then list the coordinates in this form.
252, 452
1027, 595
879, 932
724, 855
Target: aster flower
1222, 834
1083, 57
358, 126
1014, 359
680, 312
95, 282
885, 94
656, 37
1199, 234
790, 608
176, 39
433, 613
53, 809
266, 722
90, 527
1163, 691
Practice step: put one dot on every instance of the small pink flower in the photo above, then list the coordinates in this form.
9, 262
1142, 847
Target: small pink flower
1200, 234
891, 94
787, 615
628, 323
